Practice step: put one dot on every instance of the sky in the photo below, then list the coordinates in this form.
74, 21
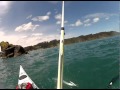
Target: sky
27, 23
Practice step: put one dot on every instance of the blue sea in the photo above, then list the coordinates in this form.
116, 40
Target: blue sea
87, 65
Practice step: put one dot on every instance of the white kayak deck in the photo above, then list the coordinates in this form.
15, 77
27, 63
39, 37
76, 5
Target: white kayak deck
24, 78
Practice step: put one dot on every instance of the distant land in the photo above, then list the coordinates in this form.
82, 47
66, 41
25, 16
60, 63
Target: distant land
81, 38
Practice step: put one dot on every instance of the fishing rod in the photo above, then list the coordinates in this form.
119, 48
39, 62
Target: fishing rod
61, 53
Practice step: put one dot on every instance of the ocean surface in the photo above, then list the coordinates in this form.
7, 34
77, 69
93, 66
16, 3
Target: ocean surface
87, 65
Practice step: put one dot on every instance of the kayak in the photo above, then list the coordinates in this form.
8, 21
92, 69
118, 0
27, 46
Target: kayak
24, 78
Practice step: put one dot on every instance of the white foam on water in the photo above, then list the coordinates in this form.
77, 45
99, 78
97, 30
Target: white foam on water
67, 83
110, 83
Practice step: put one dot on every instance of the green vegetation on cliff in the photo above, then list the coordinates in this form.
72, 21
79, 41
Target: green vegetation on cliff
81, 38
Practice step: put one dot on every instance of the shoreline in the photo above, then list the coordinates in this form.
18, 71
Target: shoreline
82, 38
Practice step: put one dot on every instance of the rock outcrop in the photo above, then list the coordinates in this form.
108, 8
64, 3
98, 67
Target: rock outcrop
9, 50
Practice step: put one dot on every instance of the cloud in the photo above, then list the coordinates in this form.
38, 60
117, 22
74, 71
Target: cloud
37, 34
96, 19
10, 38
59, 22
77, 23
101, 15
4, 6
58, 16
26, 27
42, 18
28, 39
29, 16
35, 39
87, 21
88, 24
48, 13
7, 37
107, 18
24, 36
1, 33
